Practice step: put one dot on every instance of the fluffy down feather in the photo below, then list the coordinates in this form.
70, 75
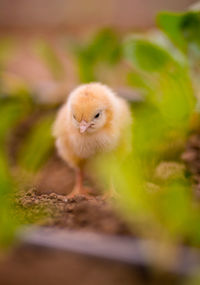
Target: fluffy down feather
94, 120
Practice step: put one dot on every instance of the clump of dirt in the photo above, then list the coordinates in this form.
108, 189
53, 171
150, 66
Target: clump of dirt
78, 213
191, 157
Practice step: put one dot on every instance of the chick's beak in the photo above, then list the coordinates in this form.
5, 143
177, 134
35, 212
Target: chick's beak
83, 126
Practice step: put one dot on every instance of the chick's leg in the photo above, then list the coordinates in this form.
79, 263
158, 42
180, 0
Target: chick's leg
79, 189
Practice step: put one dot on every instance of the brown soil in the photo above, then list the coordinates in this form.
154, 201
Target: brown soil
191, 157
77, 213
47, 204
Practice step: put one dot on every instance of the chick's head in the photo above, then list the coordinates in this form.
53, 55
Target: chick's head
91, 107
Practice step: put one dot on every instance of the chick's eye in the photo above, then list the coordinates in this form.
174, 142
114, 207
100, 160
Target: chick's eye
97, 115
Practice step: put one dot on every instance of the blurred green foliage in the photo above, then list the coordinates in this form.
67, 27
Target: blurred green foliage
38, 145
16, 105
183, 29
161, 208
145, 55
166, 85
12, 112
103, 48
49, 56
34, 154
6, 47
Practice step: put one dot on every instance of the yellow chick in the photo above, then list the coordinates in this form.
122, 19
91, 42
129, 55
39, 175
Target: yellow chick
92, 121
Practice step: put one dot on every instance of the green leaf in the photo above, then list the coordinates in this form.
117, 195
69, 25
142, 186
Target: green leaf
38, 145
169, 86
145, 55
85, 67
174, 96
104, 47
170, 23
183, 28
139, 81
11, 112
50, 58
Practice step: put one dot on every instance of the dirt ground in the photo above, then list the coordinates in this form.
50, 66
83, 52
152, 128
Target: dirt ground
80, 213
46, 203
191, 157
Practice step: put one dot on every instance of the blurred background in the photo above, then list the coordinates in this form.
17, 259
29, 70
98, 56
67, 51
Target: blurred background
62, 22
58, 16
